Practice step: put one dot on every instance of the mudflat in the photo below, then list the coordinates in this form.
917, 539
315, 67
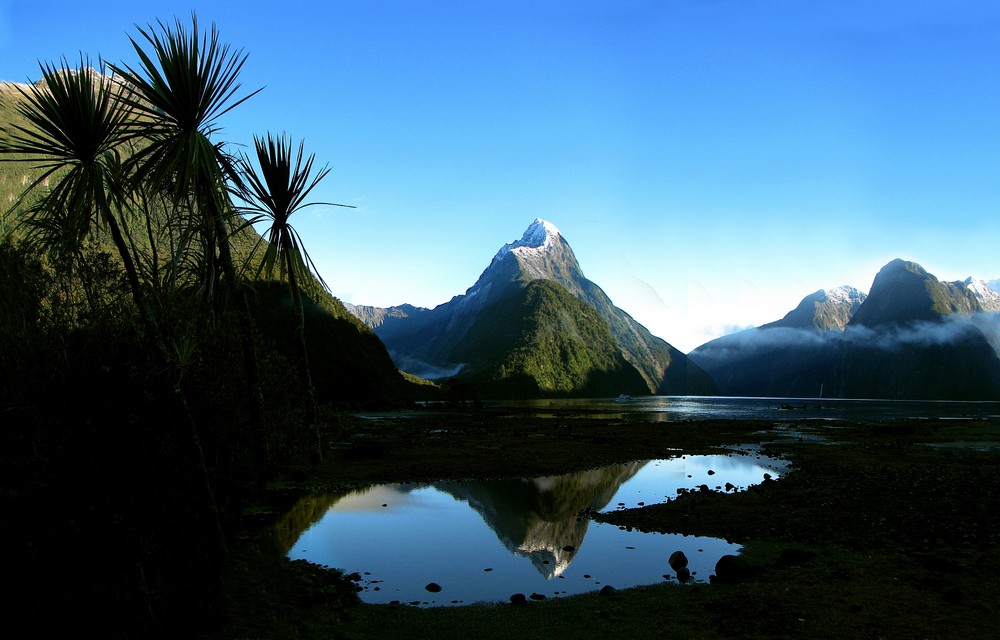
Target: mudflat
879, 530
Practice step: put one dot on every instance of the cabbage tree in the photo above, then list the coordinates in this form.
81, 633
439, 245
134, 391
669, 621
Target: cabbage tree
273, 191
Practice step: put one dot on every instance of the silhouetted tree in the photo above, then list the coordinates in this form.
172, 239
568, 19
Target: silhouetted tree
273, 193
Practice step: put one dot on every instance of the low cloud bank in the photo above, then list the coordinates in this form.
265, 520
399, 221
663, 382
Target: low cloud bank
952, 330
426, 370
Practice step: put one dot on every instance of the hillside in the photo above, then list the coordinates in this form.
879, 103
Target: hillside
539, 341
349, 363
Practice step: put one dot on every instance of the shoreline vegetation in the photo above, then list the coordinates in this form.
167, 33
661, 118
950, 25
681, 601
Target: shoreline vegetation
879, 530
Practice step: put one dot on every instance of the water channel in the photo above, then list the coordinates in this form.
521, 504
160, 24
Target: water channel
484, 540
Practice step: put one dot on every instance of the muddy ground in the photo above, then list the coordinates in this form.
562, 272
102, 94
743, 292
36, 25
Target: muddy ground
882, 530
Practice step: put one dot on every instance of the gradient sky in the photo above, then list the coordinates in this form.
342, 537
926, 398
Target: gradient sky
710, 162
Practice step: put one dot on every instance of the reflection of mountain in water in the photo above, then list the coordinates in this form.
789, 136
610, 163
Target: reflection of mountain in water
306, 512
538, 518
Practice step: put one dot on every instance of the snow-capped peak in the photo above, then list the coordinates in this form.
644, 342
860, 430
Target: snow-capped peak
539, 235
845, 294
989, 299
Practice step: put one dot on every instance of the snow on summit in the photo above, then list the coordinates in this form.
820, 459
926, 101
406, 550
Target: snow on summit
845, 294
988, 297
539, 235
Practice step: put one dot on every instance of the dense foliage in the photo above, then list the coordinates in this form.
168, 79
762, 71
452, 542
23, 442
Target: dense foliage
148, 381
540, 340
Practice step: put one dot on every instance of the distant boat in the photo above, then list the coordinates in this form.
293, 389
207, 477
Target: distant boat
624, 397
789, 407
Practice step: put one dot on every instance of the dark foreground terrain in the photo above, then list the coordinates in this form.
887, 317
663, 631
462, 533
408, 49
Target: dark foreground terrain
883, 530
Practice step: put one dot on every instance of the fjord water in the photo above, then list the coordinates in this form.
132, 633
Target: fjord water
484, 540
678, 408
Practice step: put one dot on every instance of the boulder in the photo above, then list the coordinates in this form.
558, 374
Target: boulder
730, 569
677, 560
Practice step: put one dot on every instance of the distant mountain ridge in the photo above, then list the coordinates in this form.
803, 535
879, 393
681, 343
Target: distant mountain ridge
439, 342
985, 292
913, 336
823, 310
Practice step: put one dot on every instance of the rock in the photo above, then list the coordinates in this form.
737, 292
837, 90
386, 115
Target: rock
730, 569
683, 574
518, 598
608, 590
537, 596
433, 587
677, 560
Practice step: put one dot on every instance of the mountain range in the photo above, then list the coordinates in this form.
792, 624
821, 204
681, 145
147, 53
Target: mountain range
912, 336
533, 325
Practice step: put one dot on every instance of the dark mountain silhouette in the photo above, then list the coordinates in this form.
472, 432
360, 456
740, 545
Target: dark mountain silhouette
912, 337
791, 357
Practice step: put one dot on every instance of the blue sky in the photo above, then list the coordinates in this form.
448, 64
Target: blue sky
710, 162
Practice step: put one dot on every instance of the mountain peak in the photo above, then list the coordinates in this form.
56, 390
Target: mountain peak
540, 235
826, 309
846, 294
984, 292
904, 293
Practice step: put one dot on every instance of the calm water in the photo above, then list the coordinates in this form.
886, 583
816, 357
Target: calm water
674, 408
486, 540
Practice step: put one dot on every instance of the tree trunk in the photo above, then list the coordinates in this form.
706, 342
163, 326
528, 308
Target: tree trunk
261, 454
303, 359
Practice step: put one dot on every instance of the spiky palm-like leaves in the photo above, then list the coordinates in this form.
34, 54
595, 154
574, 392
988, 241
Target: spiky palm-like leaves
182, 86
187, 81
275, 193
77, 127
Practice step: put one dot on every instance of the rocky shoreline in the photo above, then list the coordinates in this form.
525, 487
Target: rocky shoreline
880, 530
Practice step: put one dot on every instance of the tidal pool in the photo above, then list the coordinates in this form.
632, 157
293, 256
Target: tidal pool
484, 540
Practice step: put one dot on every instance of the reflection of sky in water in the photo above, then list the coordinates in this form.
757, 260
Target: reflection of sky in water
483, 541
660, 479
